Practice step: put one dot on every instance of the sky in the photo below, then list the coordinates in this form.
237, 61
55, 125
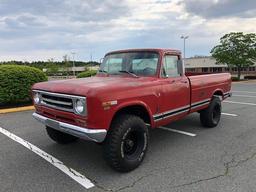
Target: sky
32, 30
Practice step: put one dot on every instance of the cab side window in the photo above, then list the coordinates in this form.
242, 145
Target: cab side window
170, 66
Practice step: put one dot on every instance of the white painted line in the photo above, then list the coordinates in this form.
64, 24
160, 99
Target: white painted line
229, 114
242, 103
81, 179
178, 131
243, 92
243, 96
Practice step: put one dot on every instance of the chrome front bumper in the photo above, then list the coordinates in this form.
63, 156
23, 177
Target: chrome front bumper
228, 94
97, 135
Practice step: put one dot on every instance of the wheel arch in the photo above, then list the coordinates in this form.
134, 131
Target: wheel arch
218, 93
138, 108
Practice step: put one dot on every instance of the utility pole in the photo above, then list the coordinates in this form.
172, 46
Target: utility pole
74, 73
184, 47
91, 61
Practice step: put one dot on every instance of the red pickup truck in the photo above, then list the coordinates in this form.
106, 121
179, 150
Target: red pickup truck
133, 91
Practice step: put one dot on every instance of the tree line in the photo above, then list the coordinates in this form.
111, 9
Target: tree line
59, 68
50, 63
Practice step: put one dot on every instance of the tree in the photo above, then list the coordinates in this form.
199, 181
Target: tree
52, 68
236, 50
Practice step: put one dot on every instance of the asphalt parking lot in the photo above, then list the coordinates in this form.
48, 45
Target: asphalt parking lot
219, 159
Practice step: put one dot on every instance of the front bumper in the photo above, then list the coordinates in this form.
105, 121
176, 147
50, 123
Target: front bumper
228, 94
97, 135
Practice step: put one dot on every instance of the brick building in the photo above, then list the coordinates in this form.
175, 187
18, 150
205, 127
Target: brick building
208, 65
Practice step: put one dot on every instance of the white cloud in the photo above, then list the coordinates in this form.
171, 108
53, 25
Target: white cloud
32, 30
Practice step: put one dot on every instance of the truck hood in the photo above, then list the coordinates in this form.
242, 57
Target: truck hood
92, 84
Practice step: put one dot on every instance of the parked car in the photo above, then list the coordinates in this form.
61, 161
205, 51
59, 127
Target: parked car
134, 90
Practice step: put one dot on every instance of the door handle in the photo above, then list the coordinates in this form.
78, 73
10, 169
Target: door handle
184, 81
172, 81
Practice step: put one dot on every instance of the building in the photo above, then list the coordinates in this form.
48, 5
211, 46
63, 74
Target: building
201, 65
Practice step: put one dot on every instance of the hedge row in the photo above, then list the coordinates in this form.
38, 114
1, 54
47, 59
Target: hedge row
87, 74
250, 77
234, 79
16, 81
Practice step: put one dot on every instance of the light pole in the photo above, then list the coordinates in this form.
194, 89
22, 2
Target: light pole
91, 61
73, 53
184, 47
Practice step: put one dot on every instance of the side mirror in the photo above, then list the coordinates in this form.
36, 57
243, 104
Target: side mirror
180, 67
101, 60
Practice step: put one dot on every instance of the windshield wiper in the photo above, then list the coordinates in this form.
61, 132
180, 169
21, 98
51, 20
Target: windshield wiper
103, 71
128, 72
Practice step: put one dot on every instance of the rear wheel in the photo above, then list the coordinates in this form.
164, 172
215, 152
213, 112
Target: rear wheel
210, 116
60, 137
126, 143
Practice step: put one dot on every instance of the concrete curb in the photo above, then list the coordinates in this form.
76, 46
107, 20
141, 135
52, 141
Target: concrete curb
16, 109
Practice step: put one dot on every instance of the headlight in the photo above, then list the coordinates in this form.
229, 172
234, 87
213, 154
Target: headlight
80, 107
37, 98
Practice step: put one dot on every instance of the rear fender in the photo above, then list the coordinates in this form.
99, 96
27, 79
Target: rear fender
219, 93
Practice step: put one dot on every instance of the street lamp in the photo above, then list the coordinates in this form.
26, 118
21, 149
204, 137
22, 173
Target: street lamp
184, 48
73, 53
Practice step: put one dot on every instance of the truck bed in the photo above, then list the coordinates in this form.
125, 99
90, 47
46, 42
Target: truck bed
204, 86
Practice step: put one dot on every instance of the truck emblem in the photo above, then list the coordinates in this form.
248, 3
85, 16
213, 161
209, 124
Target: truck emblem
108, 104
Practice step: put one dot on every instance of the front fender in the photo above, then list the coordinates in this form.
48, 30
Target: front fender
135, 103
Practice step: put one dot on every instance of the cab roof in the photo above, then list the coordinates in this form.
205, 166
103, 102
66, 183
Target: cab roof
159, 50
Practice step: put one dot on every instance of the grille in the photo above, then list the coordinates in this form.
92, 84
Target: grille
57, 102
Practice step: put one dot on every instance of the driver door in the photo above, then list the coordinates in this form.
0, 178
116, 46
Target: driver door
175, 90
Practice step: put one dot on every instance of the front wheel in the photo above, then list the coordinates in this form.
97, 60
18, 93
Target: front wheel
126, 143
210, 116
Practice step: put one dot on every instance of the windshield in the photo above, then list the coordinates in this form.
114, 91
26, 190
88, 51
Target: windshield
141, 63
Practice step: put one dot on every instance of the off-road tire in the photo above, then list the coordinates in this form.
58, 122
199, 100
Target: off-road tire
126, 143
210, 116
60, 137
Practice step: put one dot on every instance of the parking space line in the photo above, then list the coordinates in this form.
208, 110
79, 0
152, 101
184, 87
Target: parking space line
253, 96
81, 179
243, 92
178, 131
230, 114
242, 103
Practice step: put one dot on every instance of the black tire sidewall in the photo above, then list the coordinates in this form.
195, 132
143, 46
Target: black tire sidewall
113, 147
216, 103
141, 155
206, 116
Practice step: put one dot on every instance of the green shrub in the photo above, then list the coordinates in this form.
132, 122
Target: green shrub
16, 81
234, 78
87, 74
